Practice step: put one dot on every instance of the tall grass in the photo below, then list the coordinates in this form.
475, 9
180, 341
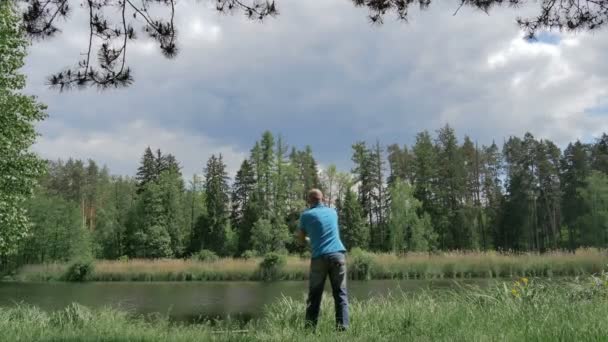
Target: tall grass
524, 311
363, 265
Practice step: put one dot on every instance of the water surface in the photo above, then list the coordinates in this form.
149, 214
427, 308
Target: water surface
193, 301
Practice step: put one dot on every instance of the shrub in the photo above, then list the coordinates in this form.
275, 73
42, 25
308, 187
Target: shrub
123, 258
80, 270
305, 255
206, 255
271, 266
249, 254
361, 264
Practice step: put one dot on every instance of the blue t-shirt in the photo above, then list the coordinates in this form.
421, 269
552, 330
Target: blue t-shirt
320, 224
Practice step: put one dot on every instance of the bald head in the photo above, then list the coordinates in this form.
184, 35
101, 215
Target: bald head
315, 196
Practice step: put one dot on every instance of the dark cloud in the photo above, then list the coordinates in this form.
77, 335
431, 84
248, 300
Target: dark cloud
320, 75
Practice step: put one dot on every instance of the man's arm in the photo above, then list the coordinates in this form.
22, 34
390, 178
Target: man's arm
301, 237
300, 234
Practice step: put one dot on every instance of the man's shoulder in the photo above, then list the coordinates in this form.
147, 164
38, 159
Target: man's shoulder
323, 211
316, 211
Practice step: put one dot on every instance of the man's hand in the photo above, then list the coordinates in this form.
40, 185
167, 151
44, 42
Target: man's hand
301, 237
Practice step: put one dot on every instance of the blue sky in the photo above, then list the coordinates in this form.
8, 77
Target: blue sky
321, 75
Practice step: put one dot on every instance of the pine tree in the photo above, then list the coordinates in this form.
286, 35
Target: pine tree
354, 231
424, 172
599, 154
214, 229
492, 195
91, 195
363, 172
379, 235
549, 198
147, 171
311, 171
147, 232
308, 170
267, 165
243, 191
280, 181
171, 187
473, 213
400, 163
575, 168
449, 189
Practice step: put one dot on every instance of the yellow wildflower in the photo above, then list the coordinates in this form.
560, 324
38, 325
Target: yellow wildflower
525, 281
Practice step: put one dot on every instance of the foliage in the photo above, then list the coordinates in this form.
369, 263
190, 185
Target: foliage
267, 236
206, 255
57, 232
354, 231
249, 254
80, 270
440, 195
19, 167
410, 228
361, 264
270, 266
593, 225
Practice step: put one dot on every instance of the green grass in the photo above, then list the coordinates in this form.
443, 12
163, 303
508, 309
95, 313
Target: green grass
510, 312
454, 265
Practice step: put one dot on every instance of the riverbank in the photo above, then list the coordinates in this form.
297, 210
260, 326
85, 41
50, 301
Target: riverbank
525, 310
362, 265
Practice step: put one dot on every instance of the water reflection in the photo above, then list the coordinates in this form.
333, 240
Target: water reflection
195, 301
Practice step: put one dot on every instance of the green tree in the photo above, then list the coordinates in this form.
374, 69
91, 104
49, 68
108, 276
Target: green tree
171, 186
147, 234
329, 181
594, 223
453, 231
57, 231
354, 231
409, 228
308, 170
379, 199
492, 193
363, 173
400, 163
267, 236
19, 167
147, 171
474, 217
424, 172
243, 190
549, 215
599, 154
575, 168
215, 227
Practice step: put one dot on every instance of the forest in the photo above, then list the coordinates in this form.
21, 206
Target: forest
439, 194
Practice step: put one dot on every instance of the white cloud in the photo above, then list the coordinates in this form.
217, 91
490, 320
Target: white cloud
121, 149
321, 67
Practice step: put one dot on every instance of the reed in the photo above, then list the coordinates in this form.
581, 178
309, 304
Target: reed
453, 265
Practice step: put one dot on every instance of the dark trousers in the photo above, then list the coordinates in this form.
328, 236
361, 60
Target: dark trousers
334, 266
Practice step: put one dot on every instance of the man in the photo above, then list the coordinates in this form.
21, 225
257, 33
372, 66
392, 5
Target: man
319, 225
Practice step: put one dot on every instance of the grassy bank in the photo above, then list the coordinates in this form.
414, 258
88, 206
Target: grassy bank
362, 265
522, 311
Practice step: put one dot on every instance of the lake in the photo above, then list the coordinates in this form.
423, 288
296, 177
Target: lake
194, 301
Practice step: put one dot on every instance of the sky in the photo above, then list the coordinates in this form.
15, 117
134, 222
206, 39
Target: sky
320, 74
